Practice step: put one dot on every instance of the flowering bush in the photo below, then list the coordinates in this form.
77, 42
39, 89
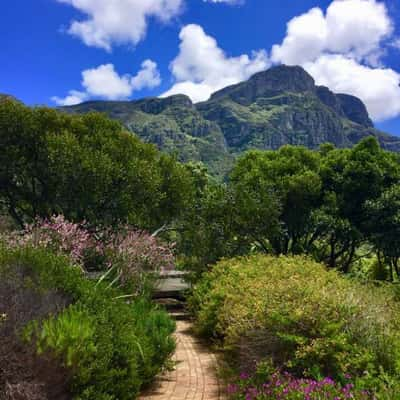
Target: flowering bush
137, 257
285, 386
57, 234
130, 257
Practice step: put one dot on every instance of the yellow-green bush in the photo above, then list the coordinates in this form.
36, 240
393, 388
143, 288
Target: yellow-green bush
308, 320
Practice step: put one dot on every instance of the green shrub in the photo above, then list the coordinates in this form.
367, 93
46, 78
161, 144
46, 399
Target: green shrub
112, 348
308, 320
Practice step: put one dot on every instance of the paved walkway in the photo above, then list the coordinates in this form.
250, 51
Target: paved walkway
194, 377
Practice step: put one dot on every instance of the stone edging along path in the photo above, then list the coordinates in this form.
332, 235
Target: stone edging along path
194, 377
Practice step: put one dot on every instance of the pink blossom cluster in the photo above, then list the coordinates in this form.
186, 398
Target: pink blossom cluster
58, 234
284, 386
129, 252
135, 252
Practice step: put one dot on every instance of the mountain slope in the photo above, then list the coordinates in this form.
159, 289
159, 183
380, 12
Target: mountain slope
276, 107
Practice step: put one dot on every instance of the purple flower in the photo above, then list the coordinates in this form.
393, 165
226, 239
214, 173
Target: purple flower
284, 386
244, 376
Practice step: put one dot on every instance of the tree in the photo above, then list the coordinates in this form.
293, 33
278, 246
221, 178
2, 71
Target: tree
383, 227
86, 168
207, 230
350, 178
283, 184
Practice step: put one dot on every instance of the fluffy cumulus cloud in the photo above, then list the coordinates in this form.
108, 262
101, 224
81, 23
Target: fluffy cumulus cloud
343, 48
202, 67
111, 22
377, 87
352, 27
104, 82
147, 77
73, 97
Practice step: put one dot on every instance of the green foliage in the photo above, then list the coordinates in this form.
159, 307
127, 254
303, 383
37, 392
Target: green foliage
351, 178
208, 231
307, 319
226, 221
290, 174
174, 125
85, 167
383, 225
290, 201
70, 335
298, 201
112, 348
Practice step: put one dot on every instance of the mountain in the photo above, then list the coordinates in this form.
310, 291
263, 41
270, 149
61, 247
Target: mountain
276, 107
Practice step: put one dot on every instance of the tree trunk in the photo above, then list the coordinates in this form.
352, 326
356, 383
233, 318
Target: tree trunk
347, 264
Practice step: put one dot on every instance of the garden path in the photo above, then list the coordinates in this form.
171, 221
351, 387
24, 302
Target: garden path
194, 377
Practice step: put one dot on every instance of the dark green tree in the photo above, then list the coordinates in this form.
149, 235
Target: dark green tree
87, 168
286, 181
351, 177
383, 228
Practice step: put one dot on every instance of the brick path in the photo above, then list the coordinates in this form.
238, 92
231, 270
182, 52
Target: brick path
194, 377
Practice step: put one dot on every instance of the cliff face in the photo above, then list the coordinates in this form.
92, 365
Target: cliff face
276, 107
355, 110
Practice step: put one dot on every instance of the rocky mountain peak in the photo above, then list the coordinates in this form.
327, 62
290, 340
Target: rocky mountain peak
267, 83
283, 78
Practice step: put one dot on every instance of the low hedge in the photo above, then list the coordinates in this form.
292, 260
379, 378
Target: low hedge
110, 347
307, 320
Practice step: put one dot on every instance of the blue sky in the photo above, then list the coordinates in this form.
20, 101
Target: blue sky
65, 51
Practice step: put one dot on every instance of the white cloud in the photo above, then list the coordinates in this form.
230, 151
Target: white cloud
73, 97
343, 49
351, 27
200, 91
111, 22
201, 67
148, 76
104, 82
305, 39
377, 87
357, 26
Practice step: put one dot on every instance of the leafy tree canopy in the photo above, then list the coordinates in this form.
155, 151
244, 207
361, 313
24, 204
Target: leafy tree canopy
85, 167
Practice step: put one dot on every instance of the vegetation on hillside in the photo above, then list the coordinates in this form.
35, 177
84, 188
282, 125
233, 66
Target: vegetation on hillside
273, 108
